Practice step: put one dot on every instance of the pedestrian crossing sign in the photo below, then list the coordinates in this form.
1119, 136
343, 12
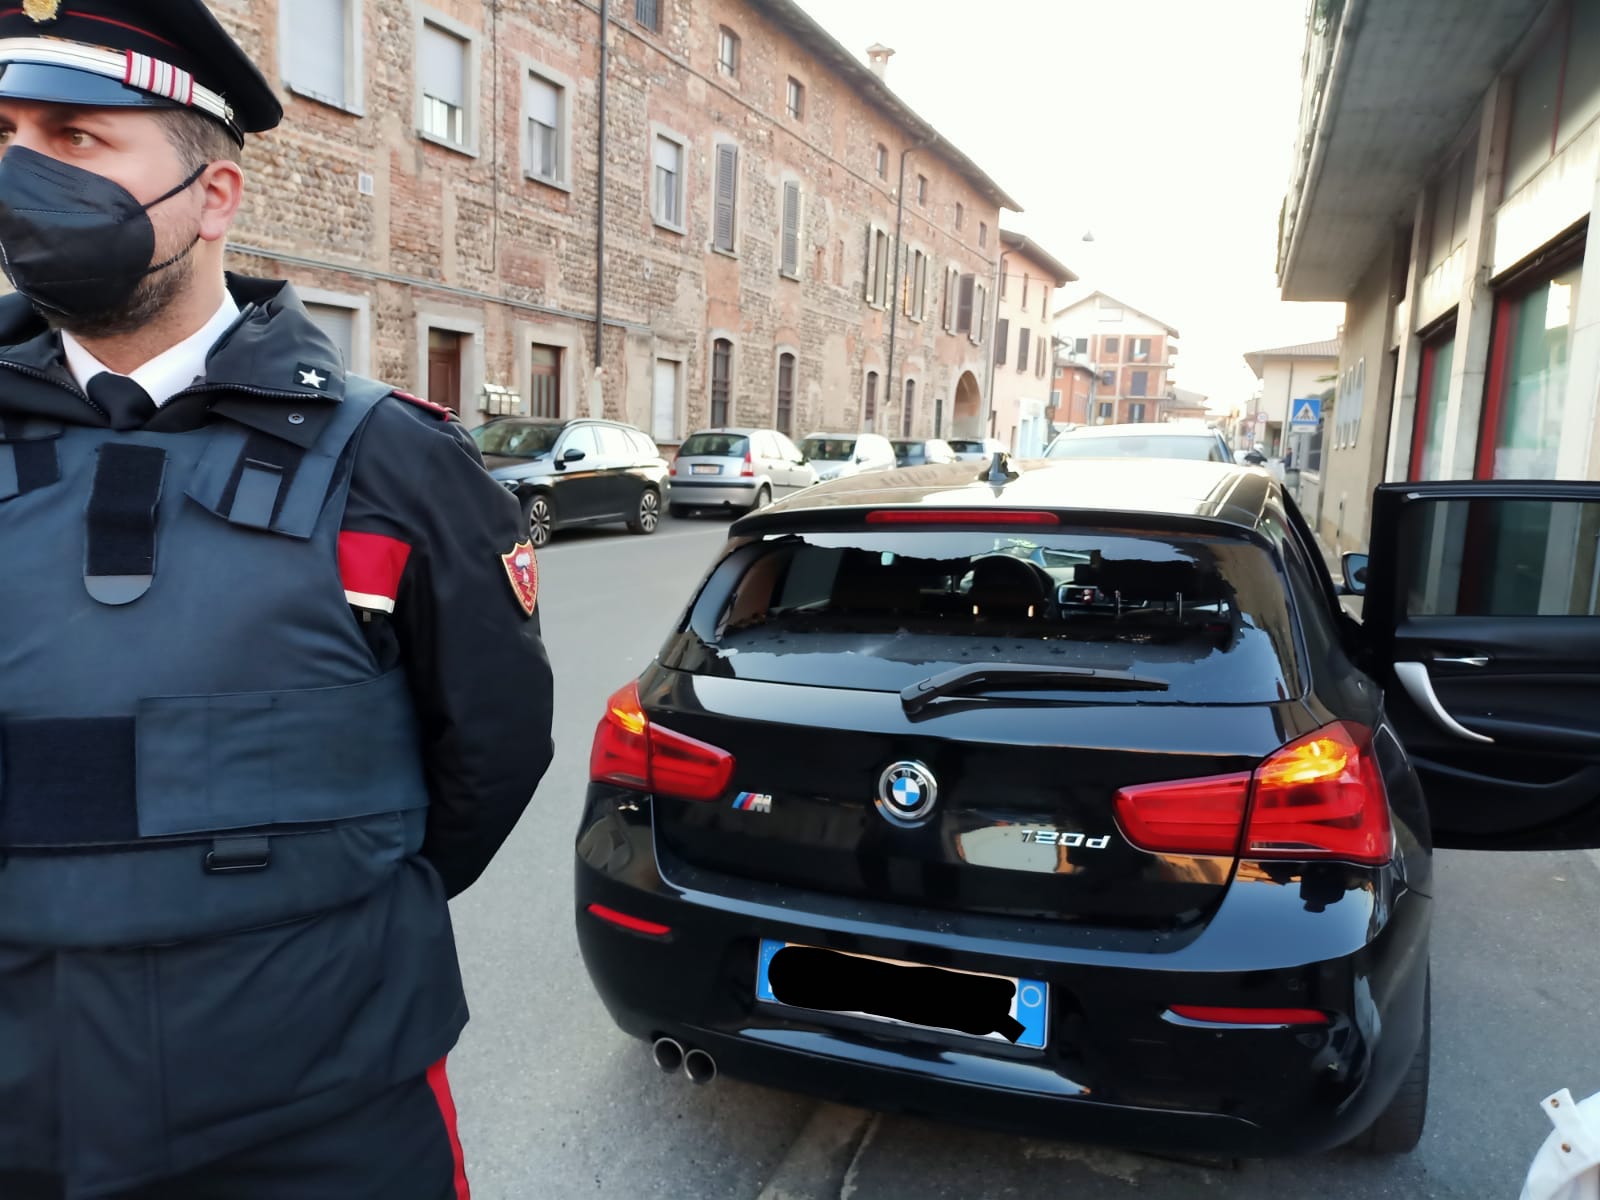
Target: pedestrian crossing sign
1306, 414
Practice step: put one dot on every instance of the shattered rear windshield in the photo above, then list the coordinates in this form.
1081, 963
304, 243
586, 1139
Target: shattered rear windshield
880, 611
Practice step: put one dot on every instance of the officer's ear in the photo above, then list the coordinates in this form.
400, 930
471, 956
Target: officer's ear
223, 187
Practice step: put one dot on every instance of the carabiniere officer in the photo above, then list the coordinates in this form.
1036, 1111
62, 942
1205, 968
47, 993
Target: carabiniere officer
271, 680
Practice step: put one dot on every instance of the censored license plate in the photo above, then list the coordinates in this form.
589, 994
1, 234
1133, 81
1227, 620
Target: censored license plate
704, 469
993, 1007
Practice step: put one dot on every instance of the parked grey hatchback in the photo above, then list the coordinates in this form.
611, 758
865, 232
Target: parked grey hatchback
741, 469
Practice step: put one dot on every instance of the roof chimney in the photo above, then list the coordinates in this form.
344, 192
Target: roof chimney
878, 55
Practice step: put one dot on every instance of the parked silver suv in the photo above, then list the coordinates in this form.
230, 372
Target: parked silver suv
742, 469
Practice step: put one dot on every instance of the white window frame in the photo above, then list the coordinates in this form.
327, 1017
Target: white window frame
469, 114
354, 101
914, 285
564, 86
795, 112
878, 278
361, 308
659, 131
724, 36
951, 312
880, 161
980, 313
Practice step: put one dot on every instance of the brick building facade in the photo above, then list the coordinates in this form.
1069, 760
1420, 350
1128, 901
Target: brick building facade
435, 193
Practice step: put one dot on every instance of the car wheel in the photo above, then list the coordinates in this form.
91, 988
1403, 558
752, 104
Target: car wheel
539, 519
678, 510
649, 512
1398, 1128
763, 498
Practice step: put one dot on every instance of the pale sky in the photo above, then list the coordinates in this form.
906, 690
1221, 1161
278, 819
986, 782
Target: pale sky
1164, 126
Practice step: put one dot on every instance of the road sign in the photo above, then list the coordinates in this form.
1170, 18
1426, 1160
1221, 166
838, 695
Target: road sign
1261, 417
1305, 414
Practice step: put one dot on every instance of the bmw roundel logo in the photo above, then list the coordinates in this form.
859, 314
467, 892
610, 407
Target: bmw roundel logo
907, 792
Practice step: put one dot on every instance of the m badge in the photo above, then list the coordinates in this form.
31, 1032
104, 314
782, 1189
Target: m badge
754, 802
522, 569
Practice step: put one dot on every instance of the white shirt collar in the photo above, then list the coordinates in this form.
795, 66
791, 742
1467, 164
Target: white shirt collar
169, 372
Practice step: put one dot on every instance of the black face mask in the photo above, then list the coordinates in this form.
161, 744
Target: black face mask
71, 241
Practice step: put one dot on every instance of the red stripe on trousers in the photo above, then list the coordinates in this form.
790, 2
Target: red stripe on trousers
371, 563
447, 1110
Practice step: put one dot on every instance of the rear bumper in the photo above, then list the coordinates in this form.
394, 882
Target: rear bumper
1116, 1069
739, 493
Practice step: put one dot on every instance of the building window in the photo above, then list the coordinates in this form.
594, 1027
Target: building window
1525, 404
882, 161
1025, 282
1139, 383
791, 230
797, 98
878, 253
1055, 399
952, 298
544, 391
324, 62
980, 312
966, 296
444, 74
784, 420
922, 190
1110, 347
1104, 413
545, 104
938, 416
983, 235
1023, 336
664, 402
1002, 341
444, 368
1136, 413
726, 198
1080, 346
914, 288
728, 52
648, 14
1042, 364
1139, 349
961, 216
869, 409
908, 413
668, 182
721, 374
1108, 379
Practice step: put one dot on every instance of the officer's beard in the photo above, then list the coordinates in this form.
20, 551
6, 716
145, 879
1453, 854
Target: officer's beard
152, 298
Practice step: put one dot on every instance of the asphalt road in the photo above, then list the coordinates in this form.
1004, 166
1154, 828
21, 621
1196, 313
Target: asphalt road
555, 1102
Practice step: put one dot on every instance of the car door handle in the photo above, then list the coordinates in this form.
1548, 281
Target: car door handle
1413, 676
1469, 660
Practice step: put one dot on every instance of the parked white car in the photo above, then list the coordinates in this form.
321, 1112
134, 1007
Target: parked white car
836, 455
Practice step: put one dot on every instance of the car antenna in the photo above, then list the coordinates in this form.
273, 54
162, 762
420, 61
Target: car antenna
1000, 469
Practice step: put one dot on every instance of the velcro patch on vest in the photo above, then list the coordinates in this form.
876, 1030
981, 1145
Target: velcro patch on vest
371, 566
120, 561
522, 569
28, 458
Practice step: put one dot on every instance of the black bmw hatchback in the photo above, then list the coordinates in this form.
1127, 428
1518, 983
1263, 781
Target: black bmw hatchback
1066, 798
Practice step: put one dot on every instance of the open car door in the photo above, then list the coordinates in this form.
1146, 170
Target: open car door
1483, 614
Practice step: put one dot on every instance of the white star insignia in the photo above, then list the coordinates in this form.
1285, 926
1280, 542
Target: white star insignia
312, 379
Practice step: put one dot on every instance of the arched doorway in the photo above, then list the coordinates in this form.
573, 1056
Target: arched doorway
968, 415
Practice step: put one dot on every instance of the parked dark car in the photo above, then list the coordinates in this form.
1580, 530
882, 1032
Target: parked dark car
1068, 800
569, 473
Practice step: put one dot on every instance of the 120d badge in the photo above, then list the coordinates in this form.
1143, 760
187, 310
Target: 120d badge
1060, 837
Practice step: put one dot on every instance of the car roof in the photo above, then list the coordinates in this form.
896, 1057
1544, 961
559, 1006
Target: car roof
1213, 492
1141, 429
860, 433
738, 431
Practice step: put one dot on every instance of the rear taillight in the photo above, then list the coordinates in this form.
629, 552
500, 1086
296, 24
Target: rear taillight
633, 924
632, 752
748, 471
1319, 797
673, 469
1265, 1017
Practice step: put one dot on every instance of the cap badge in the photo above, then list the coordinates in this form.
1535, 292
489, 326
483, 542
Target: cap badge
41, 11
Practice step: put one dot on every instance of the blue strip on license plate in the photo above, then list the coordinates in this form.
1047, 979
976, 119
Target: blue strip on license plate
988, 1007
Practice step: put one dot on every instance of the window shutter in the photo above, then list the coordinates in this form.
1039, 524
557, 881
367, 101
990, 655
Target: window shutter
964, 304
319, 29
1003, 338
871, 274
791, 228
1023, 337
727, 194
444, 66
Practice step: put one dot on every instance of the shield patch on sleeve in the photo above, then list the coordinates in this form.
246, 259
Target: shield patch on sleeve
522, 569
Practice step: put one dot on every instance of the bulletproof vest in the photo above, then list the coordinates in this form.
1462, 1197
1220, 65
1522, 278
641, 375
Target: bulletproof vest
195, 735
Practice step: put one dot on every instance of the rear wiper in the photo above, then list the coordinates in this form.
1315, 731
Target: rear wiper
1000, 677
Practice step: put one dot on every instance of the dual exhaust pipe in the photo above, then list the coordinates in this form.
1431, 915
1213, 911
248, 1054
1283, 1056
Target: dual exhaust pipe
669, 1054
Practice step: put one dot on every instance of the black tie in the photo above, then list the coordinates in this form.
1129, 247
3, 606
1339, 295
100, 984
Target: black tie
127, 404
